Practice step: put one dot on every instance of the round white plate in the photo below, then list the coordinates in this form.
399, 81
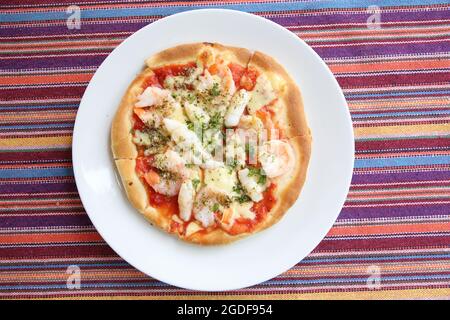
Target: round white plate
259, 257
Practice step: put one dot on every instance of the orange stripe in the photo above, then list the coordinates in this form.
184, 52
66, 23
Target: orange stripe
389, 229
391, 65
49, 238
421, 103
372, 33
42, 79
362, 268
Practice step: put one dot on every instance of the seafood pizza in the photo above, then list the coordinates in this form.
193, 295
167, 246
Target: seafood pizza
211, 142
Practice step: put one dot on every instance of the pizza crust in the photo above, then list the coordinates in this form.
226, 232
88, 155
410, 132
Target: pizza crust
292, 114
290, 184
176, 55
125, 152
189, 52
134, 188
122, 145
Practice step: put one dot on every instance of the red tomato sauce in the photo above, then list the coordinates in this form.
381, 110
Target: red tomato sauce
267, 116
137, 123
166, 204
237, 71
260, 209
173, 70
151, 81
248, 79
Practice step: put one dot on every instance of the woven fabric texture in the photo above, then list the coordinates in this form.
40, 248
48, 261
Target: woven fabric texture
392, 238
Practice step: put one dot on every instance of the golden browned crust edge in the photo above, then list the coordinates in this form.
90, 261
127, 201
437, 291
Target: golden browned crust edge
134, 188
215, 237
296, 118
122, 145
240, 55
178, 54
289, 188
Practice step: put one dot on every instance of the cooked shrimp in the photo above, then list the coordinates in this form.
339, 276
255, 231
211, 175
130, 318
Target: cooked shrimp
196, 114
189, 142
223, 71
152, 96
186, 200
250, 122
164, 186
276, 157
236, 108
167, 187
204, 82
149, 117
228, 81
205, 216
251, 185
205, 201
172, 161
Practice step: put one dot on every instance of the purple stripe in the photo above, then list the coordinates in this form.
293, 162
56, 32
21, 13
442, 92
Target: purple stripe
45, 221
300, 20
395, 211
400, 177
332, 18
87, 28
53, 62
375, 49
39, 187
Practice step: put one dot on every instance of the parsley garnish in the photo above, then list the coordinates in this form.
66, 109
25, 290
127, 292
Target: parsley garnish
258, 173
190, 125
242, 197
195, 183
214, 91
215, 207
215, 121
191, 98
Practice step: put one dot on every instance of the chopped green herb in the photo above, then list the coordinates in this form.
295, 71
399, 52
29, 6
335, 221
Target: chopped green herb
191, 98
195, 183
214, 91
262, 179
258, 173
190, 125
215, 207
215, 121
233, 164
242, 197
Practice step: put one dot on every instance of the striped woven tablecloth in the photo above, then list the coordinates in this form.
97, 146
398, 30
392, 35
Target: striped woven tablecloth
392, 238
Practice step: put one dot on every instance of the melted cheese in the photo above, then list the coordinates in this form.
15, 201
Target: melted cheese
196, 114
192, 228
221, 178
262, 94
141, 138
177, 112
